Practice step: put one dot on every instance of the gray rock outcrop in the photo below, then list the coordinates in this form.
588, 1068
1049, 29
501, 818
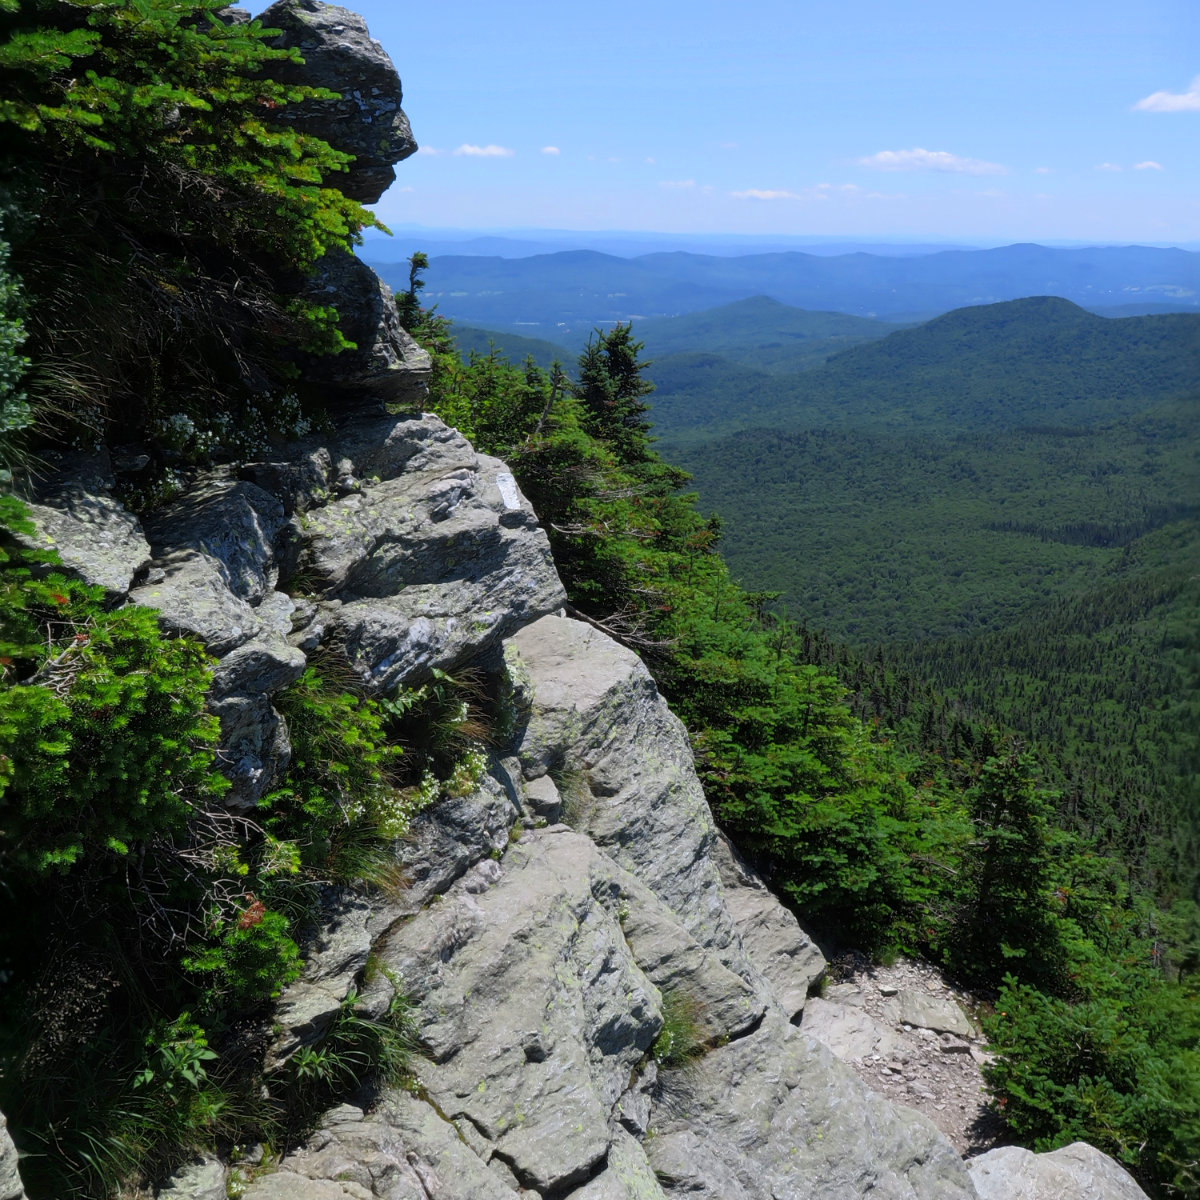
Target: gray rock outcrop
771, 935
386, 367
606, 997
1076, 1172
11, 1187
77, 517
340, 54
200, 1180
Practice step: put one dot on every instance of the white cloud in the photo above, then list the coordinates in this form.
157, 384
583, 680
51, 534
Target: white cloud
929, 160
1188, 101
395, 190
431, 151
1148, 165
765, 194
677, 183
650, 160
483, 151
826, 188
1107, 166
1041, 170
551, 150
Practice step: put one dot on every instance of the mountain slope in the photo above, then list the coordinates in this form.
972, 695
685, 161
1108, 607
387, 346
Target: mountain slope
1040, 361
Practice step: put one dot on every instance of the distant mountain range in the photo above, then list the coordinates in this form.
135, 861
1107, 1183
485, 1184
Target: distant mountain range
562, 296
759, 333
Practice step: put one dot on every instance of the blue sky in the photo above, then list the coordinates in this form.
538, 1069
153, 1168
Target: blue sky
1013, 120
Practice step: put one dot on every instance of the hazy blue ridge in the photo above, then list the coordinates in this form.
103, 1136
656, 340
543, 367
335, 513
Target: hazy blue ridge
564, 294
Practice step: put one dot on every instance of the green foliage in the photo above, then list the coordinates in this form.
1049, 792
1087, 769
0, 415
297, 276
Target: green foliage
247, 962
612, 394
1006, 896
1118, 1067
356, 1051
343, 766
110, 747
15, 413
104, 742
177, 217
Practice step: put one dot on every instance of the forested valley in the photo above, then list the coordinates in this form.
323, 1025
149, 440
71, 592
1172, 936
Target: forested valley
946, 692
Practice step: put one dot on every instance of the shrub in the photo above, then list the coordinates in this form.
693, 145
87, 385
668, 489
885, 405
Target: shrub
105, 746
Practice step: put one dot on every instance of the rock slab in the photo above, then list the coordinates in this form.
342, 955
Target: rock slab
1075, 1172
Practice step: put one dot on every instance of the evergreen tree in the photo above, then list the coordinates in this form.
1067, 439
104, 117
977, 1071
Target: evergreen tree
612, 392
1005, 923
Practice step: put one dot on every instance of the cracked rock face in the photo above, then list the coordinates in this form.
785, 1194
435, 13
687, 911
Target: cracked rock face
386, 366
367, 121
592, 713
429, 559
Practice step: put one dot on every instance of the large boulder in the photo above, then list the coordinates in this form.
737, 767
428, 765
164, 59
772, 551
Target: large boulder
78, 518
430, 555
591, 713
340, 54
774, 1115
1075, 1172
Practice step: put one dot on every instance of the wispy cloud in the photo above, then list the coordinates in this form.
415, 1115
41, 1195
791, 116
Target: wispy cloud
1148, 165
766, 194
676, 183
468, 151
1107, 166
917, 159
551, 150
1188, 101
1041, 170
430, 151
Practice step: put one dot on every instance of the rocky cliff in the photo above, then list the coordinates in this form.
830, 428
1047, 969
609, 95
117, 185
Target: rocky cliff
563, 913
557, 914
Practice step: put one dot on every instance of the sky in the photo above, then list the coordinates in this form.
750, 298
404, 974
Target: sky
987, 120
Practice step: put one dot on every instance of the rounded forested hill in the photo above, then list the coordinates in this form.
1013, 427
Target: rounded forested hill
1024, 361
1041, 361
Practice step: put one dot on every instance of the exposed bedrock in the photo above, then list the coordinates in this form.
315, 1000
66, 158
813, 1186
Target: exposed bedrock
340, 54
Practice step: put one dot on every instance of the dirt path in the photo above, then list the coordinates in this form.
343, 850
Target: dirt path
911, 1037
